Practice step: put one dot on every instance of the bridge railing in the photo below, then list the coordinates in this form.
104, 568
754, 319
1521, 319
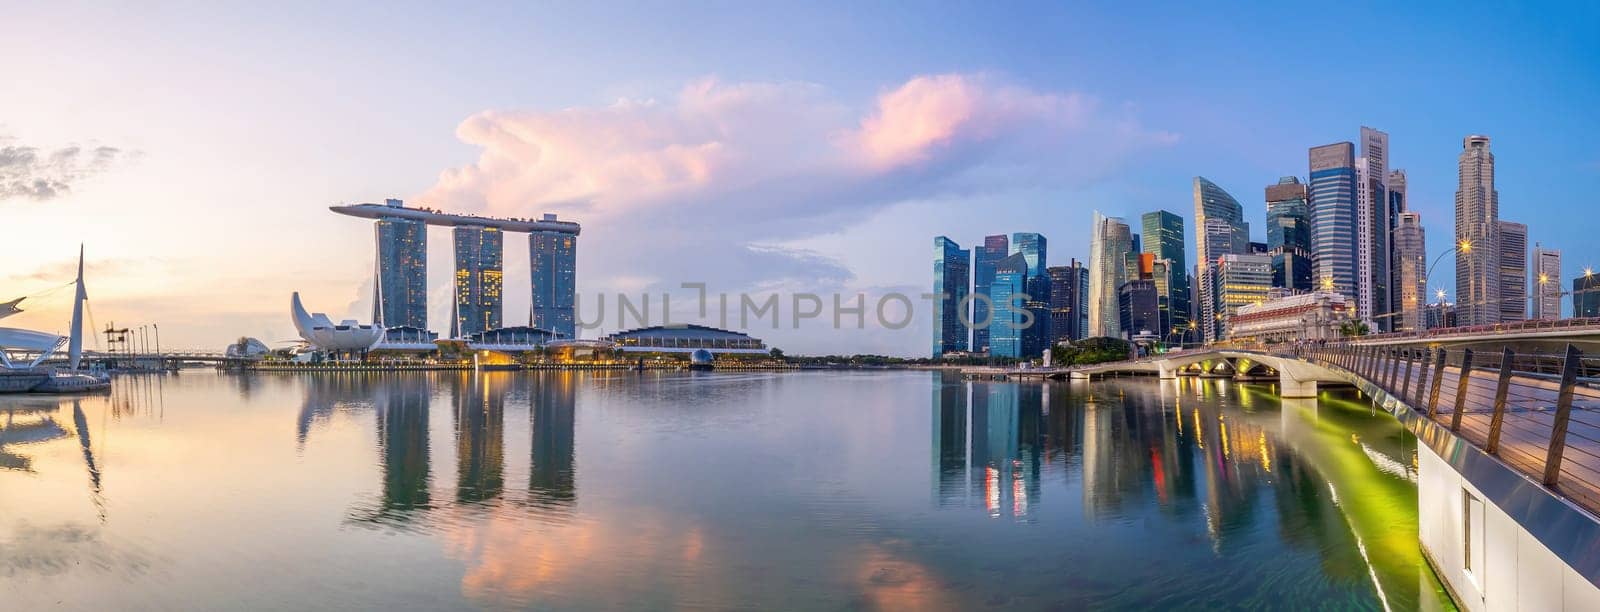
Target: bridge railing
1535, 412
1519, 326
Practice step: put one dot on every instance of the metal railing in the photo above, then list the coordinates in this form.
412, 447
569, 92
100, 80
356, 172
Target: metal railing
1535, 412
1529, 325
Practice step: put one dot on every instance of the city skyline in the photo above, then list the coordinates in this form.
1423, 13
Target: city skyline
230, 272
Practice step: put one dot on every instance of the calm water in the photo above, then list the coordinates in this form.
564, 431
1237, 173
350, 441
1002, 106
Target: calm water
897, 490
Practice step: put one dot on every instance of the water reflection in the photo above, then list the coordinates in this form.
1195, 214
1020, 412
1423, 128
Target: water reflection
401, 405
480, 436
552, 477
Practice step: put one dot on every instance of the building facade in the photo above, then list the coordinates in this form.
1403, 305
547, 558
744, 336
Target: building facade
1586, 295
1069, 296
995, 248
554, 264
400, 295
950, 274
1512, 241
1332, 190
1302, 317
1478, 271
1289, 234
1410, 267
479, 279
1373, 226
1137, 308
1033, 249
1219, 222
1108, 248
1163, 236
1546, 283
1010, 323
1241, 280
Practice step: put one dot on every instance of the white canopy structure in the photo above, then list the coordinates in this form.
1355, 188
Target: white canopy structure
322, 333
39, 345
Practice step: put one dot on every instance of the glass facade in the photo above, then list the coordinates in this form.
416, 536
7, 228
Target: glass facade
995, 248
1007, 331
950, 274
478, 281
401, 291
1242, 280
1108, 254
1069, 296
1512, 239
1163, 237
1032, 249
1586, 296
553, 260
1333, 217
1289, 234
1219, 221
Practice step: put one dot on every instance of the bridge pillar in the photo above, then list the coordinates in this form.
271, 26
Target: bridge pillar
1290, 388
1166, 370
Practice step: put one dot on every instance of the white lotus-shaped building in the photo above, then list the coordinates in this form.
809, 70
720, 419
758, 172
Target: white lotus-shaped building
322, 333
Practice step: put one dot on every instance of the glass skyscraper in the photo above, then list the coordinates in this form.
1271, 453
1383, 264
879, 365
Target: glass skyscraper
1221, 230
1478, 271
1108, 254
1373, 227
400, 295
1333, 217
1032, 249
1586, 295
1069, 298
995, 248
479, 279
1289, 234
950, 274
1163, 237
1512, 238
1006, 332
554, 261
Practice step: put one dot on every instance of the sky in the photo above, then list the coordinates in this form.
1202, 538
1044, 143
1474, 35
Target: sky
754, 147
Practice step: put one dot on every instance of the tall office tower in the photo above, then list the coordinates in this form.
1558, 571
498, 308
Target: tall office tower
1410, 270
1032, 248
995, 248
1221, 230
1586, 295
1372, 229
1333, 217
1108, 249
1161, 270
1007, 330
554, 263
1546, 283
950, 274
1241, 280
1163, 237
1069, 294
1512, 240
400, 295
479, 279
1477, 221
1138, 303
1397, 205
1289, 234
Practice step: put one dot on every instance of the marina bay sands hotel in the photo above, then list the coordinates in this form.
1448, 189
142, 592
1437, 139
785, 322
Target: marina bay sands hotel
400, 293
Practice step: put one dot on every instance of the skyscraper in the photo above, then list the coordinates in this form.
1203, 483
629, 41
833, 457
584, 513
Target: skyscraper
1397, 205
1006, 332
1546, 283
995, 248
1069, 298
400, 295
1333, 217
950, 274
1138, 303
479, 280
1477, 221
1586, 295
1372, 229
1108, 248
554, 263
1512, 240
1241, 280
1163, 237
1219, 221
1410, 267
1289, 234
1032, 247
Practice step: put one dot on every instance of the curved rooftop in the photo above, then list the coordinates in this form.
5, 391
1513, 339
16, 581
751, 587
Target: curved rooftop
395, 209
686, 338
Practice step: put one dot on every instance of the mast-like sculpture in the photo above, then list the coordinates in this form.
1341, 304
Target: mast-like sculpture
75, 341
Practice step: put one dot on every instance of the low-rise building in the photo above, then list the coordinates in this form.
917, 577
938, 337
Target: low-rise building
1291, 318
686, 339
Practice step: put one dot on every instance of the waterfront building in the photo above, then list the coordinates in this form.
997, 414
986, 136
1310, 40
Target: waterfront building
1136, 308
1410, 268
1478, 273
1241, 280
1546, 283
1069, 296
478, 280
1586, 295
1512, 241
1219, 220
322, 333
950, 274
1373, 227
1007, 328
686, 339
407, 340
1163, 236
400, 295
1289, 234
995, 248
1032, 248
1108, 248
1332, 190
1291, 317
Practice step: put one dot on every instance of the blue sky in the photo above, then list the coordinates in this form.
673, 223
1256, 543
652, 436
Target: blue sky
238, 124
